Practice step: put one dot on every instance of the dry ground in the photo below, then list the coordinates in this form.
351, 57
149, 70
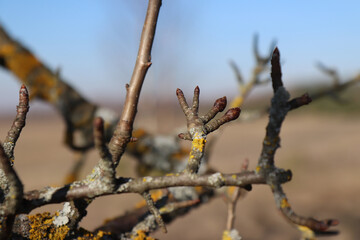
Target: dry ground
322, 151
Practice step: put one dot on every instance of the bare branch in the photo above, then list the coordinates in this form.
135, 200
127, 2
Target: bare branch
48, 195
259, 68
12, 189
199, 127
154, 211
332, 73
18, 124
237, 72
266, 167
232, 195
123, 131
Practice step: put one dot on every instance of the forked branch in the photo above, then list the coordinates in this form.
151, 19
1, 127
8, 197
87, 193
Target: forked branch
280, 105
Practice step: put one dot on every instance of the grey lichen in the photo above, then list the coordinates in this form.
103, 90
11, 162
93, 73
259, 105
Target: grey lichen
217, 180
64, 215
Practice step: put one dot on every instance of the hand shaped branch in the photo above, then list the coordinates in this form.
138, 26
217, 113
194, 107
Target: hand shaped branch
199, 127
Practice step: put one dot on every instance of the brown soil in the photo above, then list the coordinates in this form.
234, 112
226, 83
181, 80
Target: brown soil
322, 152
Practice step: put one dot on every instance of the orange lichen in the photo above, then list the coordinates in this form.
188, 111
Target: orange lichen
91, 236
21, 63
284, 203
230, 190
199, 189
42, 227
70, 178
141, 235
155, 195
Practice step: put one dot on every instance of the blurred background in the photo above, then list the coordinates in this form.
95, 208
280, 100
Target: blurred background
95, 43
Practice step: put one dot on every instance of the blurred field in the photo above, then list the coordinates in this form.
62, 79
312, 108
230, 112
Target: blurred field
322, 150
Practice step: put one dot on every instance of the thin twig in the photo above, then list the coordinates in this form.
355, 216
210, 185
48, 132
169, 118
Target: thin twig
18, 124
199, 126
123, 131
280, 106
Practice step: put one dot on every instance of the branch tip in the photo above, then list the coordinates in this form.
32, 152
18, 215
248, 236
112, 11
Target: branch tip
233, 113
99, 124
276, 70
220, 104
179, 92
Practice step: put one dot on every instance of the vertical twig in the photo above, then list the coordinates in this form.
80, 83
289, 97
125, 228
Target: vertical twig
123, 131
18, 124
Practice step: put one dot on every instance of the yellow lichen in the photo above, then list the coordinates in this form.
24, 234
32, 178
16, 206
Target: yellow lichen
42, 227
199, 189
198, 144
226, 235
230, 190
237, 102
284, 203
307, 233
141, 235
86, 235
155, 195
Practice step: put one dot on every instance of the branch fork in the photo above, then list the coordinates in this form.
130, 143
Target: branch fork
200, 126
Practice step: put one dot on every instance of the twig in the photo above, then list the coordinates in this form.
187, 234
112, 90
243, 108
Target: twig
199, 126
18, 124
232, 195
122, 134
48, 195
154, 211
260, 67
12, 189
337, 86
266, 167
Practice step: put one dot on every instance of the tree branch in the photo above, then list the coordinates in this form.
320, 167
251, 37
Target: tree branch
123, 131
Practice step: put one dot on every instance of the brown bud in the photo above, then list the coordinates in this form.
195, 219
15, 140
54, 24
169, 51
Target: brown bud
300, 101
99, 124
233, 113
179, 92
220, 104
304, 99
184, 136
197, 90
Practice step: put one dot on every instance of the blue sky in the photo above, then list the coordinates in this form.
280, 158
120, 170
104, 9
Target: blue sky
95, 42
